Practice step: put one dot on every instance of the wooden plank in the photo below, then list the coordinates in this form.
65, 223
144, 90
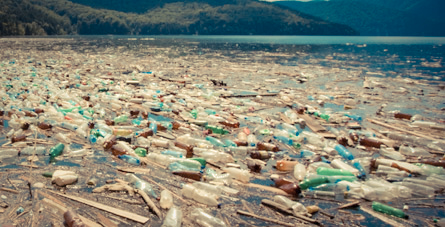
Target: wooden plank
115, 211
312, 124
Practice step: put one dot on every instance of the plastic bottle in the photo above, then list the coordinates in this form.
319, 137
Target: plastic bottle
215, 141
130, 159
63, 177
202, 218
361, 170
333, 172
239, 174
141, 152
166, 200
140, 184
201, 196
391, 153
286, 165
411, 151
252, 140
299, 171
212, 175
313, 182
120, 119
388, 210
339, 164
296, 207
175, 154
62, 138
39, 150
56, 150
173, 218
194, 175
342, 151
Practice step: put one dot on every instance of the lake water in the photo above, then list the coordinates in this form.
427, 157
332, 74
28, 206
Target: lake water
411, 57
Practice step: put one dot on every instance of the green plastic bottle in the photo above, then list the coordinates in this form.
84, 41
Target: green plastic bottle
312, 182
217, 129
200, 160
388, 210
333, 172
141, 152
56, 150
120, 119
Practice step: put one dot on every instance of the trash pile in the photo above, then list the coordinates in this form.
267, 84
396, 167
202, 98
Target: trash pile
115, 139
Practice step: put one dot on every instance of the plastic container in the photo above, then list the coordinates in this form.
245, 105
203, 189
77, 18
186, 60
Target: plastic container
204, 219
388, 210
56, 150
299, 171
342, 151
173, 218
333, 172
239, 174
166, 201
130, 159
199, 195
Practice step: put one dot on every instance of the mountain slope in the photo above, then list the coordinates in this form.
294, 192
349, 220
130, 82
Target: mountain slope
369, 19
228, 17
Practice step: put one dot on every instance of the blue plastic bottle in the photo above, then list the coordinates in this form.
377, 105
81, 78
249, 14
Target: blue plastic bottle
130, 159
342, 151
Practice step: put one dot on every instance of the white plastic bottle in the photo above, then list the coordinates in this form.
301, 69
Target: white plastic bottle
299, 171
191, 192
202, 218
173, 218
239, 174
166, 200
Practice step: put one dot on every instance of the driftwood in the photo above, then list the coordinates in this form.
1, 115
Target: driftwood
9, 190
115, 187
115, 211
149, 202
264, 218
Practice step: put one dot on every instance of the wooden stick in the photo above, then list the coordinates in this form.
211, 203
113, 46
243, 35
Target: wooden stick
288, 211
9, 190
264, 218
355, 203
118, 212
246, 206
104, 221
149, 202
403, 130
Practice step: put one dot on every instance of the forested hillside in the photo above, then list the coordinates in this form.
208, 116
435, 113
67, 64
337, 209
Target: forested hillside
135, 17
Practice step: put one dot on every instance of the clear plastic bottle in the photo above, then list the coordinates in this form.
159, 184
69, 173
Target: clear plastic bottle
414, 151
173, 218
299, 171
199, 195
339, 164
239, 174
296, 207
130, 159
166, 200
204, 219
391, 153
